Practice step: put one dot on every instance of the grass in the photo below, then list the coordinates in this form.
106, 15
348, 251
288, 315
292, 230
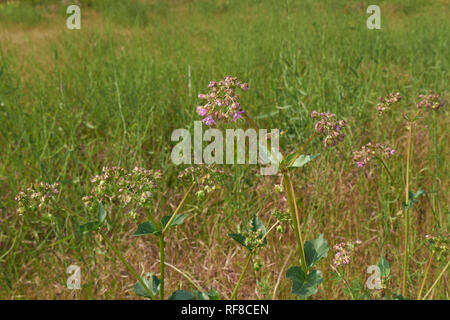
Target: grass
72, 101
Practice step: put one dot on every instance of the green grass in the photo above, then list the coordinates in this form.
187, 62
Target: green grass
113, 92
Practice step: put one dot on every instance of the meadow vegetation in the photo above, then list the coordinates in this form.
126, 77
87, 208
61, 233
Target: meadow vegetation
78, 107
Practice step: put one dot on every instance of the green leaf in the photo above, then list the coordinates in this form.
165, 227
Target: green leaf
258, 225
151, 281
181, 295
194, 295
303, 286
177, 220
383, 264
145, 229
239, 238
316, 250
90, 226
413, 198
101, 213
302, 160
212, 294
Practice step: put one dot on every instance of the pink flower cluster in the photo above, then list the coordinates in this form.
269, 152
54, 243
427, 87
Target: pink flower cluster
344, 252
222, 103
329, 127
387, 102
368, 151
430, 101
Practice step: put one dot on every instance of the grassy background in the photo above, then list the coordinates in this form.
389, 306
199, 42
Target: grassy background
72, 101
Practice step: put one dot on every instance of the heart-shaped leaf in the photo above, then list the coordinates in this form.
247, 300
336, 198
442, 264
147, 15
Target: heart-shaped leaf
303, 286
316, 250
151, 281
239, 238
177, 220
145, 229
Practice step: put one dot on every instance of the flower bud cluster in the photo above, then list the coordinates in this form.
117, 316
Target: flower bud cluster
329, 127
344, 252
368, 151
38, 197
387, 102
116, 185
222, 103
254, 239
208, 177
431, 101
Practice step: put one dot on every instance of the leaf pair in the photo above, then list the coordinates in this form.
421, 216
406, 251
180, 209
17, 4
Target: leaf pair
306, 285
148, 227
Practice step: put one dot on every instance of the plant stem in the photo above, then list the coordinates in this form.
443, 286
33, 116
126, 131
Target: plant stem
125, 262
438, 278
161, 266
180, 205
406, 256
295, 219
241, 276
345, 282
425, 276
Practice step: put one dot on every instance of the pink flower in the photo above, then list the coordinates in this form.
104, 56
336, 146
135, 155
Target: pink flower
202, 111
237, 115
208, 121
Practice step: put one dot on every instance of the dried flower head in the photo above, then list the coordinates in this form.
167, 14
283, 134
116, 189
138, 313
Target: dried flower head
344, 252
431, 101
329, 127
369, 151
116, 185
208, 178
222, 103
39, 197
387, 102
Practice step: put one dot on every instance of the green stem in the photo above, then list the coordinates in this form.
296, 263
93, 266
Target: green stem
125, 262
161, 266
406, 255
295, 219
345, 281
180, 205
299, 152
426, 275
437, 280
233, 296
